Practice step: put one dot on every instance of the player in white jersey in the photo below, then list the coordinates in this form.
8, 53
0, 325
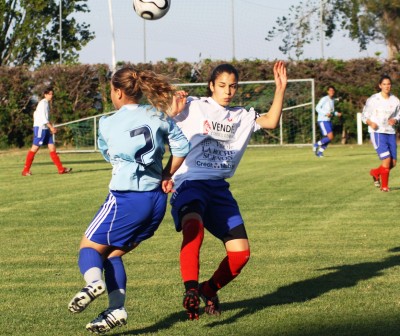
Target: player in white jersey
326, 110
43, 131
218, 136
133, 140
381, 113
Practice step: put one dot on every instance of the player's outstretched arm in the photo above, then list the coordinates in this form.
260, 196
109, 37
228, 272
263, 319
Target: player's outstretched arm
271, 119
178, 103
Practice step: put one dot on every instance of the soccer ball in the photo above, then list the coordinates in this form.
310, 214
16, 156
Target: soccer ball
151, 9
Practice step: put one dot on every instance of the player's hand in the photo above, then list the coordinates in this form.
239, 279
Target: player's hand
373, 125
280, 75
339, 114
178, 103
53, 130
392, 122
167, 186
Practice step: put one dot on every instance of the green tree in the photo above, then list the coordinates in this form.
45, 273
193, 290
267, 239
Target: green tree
363, 20
30, 31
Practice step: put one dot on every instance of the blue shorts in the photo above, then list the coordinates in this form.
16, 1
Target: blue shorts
42, 136
220, 211
128, 217
385, 145
325, 127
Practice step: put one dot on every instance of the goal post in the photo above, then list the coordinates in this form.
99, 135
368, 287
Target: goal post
296, 127
78, 135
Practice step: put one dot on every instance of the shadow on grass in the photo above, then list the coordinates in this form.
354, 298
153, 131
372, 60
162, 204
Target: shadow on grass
343, 276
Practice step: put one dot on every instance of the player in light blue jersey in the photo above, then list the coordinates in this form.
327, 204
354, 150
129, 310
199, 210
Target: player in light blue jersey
326, 110
133, 140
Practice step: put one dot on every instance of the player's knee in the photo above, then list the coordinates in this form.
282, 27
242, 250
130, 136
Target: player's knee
191, 221
237, 260
189, 212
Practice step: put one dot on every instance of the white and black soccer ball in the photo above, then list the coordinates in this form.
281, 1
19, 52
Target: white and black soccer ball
151, 9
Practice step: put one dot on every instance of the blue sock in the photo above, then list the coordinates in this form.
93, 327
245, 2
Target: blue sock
324, 141
114, 274
90, 260
115, 278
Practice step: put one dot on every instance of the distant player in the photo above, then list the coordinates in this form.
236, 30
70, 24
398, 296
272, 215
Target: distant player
326, 110
219, 135
43, 131
133, 140
381, 113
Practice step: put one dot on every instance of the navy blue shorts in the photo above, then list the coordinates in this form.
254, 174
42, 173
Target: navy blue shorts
325, 127
385, 145
127, 217
42, 136
219, 210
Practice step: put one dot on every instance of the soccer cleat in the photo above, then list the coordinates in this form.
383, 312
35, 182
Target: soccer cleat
87, 295
191, 302
107, 320
65, 171
26, 173
385, 189
212, 303
375, 177
320, 155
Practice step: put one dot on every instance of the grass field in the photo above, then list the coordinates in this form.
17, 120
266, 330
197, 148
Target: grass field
325, 250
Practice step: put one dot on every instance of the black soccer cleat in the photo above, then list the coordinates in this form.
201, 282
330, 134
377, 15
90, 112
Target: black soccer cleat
211, 303
191, 302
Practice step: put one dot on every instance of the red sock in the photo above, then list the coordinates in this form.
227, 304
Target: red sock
229, 269
28, 161
56, 161
376, 172
384, 177
193, 234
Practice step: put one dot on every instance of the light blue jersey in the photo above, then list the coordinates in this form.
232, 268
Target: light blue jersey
325, 108
133, 140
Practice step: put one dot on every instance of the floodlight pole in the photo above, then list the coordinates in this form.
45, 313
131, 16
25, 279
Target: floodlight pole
60, 32
112, 36
233, 30
144, 41
321, 16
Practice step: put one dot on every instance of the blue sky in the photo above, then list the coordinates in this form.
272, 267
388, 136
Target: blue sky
200, 29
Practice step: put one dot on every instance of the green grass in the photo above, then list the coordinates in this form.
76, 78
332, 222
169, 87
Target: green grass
325, 250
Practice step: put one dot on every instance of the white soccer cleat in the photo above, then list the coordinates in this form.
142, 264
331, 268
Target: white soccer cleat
87, 295
107, 320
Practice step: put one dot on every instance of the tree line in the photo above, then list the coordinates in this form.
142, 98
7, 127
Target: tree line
84, 90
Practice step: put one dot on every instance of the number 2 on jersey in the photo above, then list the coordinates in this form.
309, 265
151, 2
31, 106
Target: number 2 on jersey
148, 146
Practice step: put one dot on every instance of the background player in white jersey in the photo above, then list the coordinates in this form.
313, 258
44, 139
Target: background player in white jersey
133, 140
326, 110
218, 137
381, 114
42, 135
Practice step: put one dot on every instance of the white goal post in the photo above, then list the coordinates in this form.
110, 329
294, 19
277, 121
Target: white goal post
297, 125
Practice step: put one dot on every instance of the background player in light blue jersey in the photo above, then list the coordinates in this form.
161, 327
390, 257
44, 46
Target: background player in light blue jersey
133, 140
326, 110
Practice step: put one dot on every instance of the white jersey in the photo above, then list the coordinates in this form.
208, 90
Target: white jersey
379, 110
41, 114
218, 137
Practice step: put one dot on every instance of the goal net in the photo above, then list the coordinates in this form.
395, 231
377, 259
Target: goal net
296, 127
